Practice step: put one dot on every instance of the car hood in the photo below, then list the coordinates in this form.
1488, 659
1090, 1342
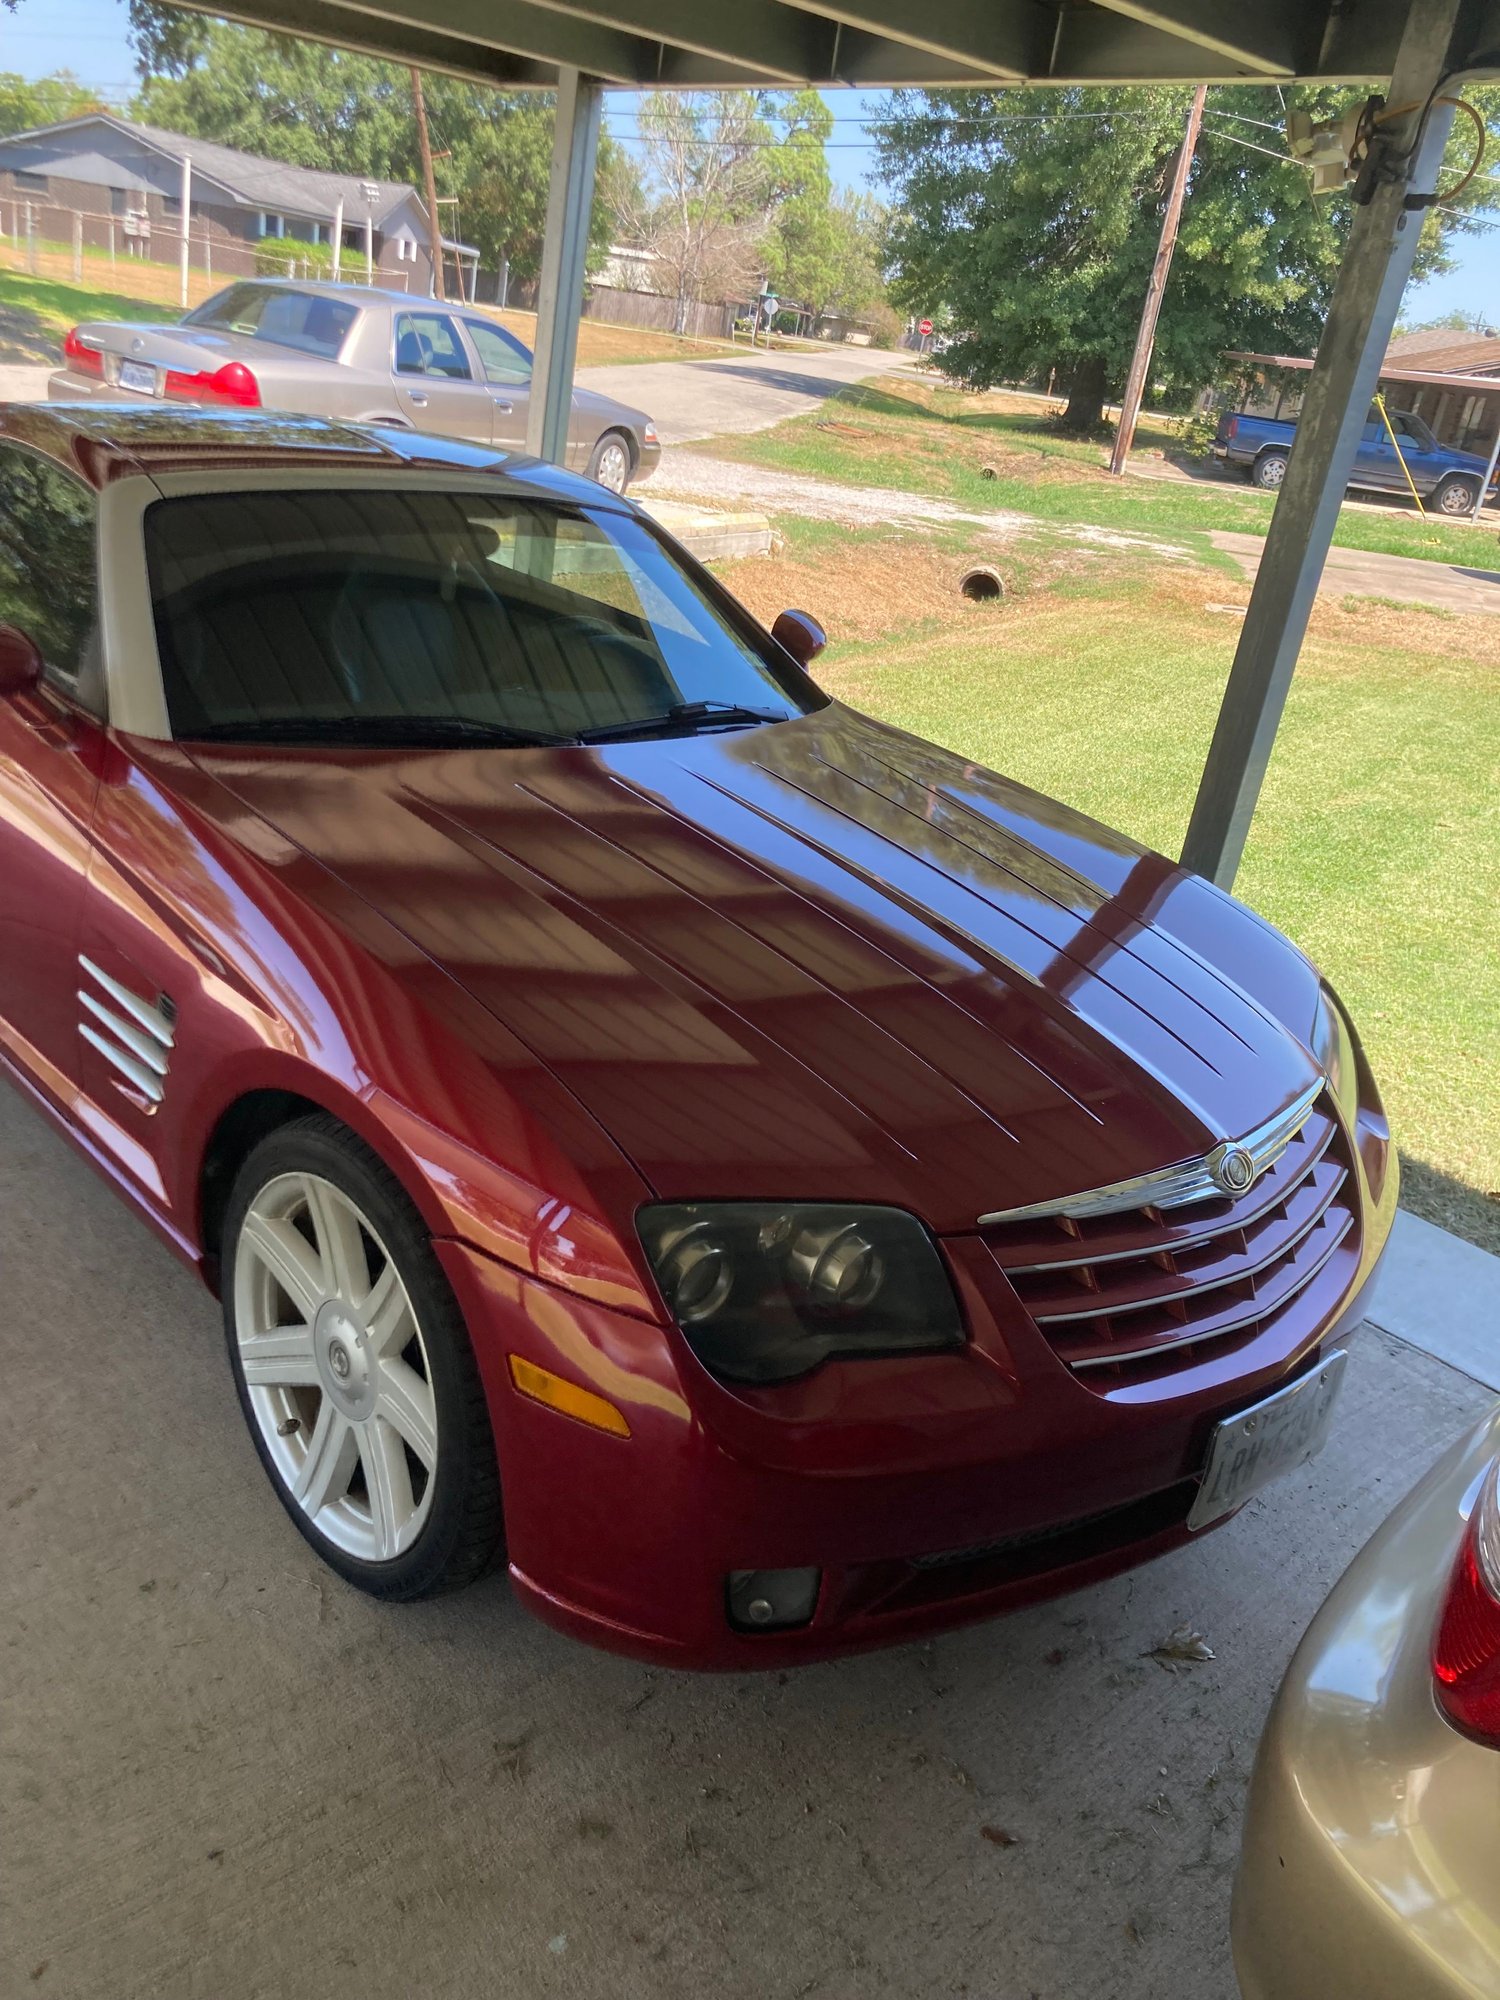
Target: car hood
820, 959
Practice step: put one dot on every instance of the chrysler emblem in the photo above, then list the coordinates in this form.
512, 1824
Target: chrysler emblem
1234, 1170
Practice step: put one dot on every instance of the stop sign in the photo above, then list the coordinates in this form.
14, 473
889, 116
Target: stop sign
924, 326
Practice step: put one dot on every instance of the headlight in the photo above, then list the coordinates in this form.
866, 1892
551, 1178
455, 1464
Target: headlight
765, 1291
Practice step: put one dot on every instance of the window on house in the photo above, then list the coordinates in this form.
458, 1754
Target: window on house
31, 183
271, 225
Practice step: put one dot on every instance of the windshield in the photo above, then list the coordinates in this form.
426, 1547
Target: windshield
405, 614
304, 320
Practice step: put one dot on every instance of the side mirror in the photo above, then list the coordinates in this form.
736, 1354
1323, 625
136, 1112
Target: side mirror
20, 662
802, 636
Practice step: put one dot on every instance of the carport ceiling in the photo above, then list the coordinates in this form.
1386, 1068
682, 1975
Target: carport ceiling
871, 44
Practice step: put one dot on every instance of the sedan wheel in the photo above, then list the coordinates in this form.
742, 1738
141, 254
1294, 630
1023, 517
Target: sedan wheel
354, 1368
338, 1375
611, 463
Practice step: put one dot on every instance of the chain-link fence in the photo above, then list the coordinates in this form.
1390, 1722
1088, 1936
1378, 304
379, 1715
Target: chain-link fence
142, 257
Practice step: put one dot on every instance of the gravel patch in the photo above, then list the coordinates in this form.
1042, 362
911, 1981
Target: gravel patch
730, 484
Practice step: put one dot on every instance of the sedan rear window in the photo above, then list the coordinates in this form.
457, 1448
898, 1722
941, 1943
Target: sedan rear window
304, 320
416, 615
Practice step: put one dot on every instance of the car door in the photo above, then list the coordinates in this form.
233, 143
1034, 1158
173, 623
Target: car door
52, 751
506, 367
434, 378
1375, 463
1423, 461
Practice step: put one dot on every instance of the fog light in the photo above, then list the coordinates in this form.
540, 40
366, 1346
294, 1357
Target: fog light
766, 1600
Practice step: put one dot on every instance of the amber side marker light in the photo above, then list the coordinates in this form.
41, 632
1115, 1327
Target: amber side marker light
544, 1387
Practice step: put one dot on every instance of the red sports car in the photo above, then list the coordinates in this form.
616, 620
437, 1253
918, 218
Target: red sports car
785, 1187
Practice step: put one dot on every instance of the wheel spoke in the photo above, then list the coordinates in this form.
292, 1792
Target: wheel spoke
332, 1454
340, 1245
281, 1359
289, 1257
388, 1482
388, 1318
406, 1402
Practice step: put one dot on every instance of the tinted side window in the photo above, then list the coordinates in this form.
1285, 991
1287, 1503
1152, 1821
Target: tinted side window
428, 344
504, 359
48, 572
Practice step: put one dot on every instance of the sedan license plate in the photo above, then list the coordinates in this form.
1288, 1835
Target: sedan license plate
1251, 1449
136, 375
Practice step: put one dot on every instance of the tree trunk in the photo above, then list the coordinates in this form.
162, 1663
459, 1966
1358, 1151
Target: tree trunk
1087, 382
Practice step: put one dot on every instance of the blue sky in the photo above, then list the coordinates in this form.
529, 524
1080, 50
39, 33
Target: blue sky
88, 38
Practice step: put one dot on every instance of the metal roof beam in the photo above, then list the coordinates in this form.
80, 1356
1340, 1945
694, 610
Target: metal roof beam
554, 39
766, 38
395, 41
1270, 37
910, 40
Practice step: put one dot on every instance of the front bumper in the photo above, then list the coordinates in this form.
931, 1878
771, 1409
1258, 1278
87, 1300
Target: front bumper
648, 458
930, 1491
1368, 1865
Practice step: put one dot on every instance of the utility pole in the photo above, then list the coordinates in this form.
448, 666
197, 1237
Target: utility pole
429, 186
1145, 340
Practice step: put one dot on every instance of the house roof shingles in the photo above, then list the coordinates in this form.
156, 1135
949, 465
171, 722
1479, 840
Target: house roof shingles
1447, 351
249, 178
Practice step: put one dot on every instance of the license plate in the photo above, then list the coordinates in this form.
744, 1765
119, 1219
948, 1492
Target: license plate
1249, 1450
136, 375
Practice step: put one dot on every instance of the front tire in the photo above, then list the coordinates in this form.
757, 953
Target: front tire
611, 462
354, 1369
1453, 496
1268, 471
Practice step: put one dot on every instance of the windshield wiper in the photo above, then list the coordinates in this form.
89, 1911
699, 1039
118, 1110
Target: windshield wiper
683, 717
414, 731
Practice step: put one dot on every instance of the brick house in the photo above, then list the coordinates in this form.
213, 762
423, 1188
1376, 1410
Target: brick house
124, 183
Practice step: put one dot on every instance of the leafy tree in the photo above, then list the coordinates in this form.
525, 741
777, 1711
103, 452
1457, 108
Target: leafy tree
45, 102
314, 106
705, 193
1036, 229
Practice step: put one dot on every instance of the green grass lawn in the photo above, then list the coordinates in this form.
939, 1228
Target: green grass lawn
35, 313
1377, 842
939, 441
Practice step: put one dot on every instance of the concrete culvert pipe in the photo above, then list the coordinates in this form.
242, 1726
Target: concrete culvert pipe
982, 584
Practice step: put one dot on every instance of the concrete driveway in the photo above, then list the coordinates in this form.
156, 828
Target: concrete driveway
752, 391
225, 1776
1407, 579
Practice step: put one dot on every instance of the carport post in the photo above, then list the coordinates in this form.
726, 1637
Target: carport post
570, 202
1377, 261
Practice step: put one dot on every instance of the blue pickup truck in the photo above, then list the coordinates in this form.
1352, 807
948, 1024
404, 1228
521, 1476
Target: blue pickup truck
1447, 480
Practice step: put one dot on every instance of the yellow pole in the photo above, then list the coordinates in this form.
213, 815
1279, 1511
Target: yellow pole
1395, 446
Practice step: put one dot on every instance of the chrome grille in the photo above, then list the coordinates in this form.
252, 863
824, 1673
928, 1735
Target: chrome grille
1124, 1294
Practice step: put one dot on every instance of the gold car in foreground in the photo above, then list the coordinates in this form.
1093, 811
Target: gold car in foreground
1371, 1860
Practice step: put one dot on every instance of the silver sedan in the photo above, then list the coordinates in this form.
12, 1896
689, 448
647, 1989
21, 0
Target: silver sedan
1369, 1868
354, 352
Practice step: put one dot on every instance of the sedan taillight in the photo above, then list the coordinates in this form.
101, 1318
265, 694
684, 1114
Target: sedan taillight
83, 360
232, 384
1466, 1651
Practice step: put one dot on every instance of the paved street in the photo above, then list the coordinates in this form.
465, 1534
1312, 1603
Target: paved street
696, 399
225, 1776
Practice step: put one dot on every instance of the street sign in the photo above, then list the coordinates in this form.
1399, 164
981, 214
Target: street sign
924, 327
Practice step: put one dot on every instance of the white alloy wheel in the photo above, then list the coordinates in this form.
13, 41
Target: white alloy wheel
612, 465
336, 1372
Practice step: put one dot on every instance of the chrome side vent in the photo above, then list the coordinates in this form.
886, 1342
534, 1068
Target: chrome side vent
135, 1036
